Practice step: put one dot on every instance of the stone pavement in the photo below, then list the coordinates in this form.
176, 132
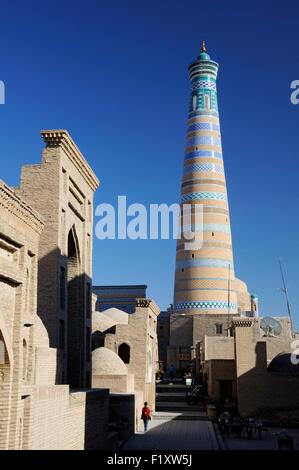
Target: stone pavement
175, 431
268, 441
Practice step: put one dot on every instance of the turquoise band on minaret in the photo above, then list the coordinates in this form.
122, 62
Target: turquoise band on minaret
207, 274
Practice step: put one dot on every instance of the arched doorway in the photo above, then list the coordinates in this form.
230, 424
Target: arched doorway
74, 344
124, 352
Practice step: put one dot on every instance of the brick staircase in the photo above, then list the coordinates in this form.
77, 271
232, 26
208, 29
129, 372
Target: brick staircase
171, 398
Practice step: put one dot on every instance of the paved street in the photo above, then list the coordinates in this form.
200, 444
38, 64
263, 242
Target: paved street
268, 441
169, 432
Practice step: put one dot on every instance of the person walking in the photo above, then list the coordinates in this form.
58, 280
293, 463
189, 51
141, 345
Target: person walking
146, 416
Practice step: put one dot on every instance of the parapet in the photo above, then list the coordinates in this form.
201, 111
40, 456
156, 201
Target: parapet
148, 303
61, 138
19, 208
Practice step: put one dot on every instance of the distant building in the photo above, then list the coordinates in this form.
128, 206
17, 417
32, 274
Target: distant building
125, 352
252, 369
122, 297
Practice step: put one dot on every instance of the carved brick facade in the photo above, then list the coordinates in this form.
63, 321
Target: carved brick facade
61, 189
34, 412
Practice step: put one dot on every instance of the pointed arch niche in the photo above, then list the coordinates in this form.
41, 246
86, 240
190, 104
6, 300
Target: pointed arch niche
74, 295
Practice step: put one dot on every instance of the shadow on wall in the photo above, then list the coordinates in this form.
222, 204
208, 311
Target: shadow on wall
96, 419
264, 392
98, 337
64, 305
65, 309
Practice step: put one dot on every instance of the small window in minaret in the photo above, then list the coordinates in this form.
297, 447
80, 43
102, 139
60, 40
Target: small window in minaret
207, 102
183, 270
194, 102
213, 234
192, 255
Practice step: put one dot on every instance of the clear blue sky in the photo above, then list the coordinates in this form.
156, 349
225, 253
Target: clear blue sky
114, 73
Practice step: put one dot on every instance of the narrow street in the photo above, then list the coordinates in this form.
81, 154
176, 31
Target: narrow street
175, 424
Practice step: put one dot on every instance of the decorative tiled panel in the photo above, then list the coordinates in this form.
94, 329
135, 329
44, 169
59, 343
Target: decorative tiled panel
203, 262
203, 154
209, 84
192, 181
206, 228
207, 246
203, 140
199, 112
201, 103
198, 126
204, 77
204, 304
216, 228
203, 68
204, 288
201, 283
204, 168
203, 195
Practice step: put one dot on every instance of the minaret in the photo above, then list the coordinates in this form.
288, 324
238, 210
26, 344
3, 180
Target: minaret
204, 279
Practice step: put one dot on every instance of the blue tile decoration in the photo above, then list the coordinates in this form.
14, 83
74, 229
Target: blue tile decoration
204, 288
203, 140
203, 168
210, 181
209, 84
203, 154
198, 126
205, 262
203, 195
198, 112
204, 304
224, 228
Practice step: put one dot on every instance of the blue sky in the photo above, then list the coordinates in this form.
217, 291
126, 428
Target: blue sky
115, 75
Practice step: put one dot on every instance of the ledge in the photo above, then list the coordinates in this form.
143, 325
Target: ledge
61, 138
145, 303
18, 207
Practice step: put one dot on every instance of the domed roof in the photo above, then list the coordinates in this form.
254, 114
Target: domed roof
203, 54
117, 315
282, 364
239, 285
101, 322
107, 362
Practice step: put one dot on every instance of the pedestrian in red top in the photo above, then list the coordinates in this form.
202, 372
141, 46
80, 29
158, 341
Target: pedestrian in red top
146, 416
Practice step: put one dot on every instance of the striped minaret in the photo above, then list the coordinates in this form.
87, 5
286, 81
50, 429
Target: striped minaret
204, 278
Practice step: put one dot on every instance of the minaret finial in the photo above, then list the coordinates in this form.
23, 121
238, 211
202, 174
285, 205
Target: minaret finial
203, 47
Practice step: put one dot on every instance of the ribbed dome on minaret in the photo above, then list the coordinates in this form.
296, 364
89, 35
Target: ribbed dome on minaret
203, 55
